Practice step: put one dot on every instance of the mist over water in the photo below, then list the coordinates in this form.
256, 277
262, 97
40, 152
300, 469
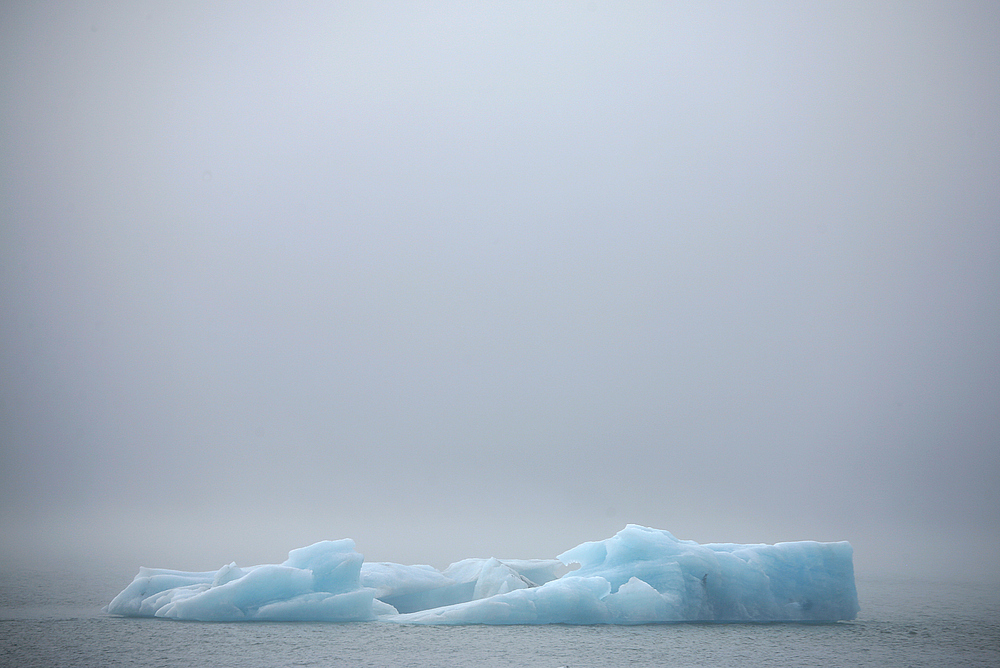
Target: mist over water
496, 280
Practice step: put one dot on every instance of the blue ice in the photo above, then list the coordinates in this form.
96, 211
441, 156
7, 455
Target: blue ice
638, 576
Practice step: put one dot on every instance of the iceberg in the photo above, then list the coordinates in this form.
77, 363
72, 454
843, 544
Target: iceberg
416, 588
321, 582
638, 576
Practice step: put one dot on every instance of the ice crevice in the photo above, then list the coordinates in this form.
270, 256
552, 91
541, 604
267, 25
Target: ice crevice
638, 576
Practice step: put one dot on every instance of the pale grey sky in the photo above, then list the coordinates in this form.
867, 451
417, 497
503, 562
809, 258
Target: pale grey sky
471, 279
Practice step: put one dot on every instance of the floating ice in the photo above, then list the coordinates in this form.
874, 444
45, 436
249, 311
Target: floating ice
638, 576
415, 588
321, 582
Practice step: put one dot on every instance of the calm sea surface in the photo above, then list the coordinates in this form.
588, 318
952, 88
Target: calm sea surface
54, 619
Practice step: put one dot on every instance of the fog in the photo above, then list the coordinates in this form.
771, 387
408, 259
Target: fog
487, 279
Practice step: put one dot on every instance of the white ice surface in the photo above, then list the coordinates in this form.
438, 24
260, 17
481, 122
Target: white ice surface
638, 576
320, 582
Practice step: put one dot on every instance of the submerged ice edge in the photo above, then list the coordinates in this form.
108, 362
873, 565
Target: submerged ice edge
638, 576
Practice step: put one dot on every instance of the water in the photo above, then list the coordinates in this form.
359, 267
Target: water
53, 618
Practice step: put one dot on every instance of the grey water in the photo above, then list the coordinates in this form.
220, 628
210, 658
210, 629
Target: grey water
53, 617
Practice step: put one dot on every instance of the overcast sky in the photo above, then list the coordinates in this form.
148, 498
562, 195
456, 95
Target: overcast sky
468, 279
